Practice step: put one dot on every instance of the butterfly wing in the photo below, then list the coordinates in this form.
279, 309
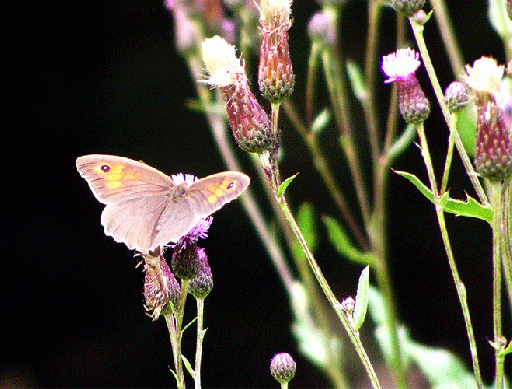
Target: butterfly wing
211, 193
116, 179
136, 196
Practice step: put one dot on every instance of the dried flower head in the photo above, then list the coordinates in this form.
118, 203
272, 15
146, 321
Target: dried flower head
484, 78
275, 75
283, 367
248, 120
400, 67
161, 289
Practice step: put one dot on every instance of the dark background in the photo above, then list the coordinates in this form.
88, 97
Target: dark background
103, 77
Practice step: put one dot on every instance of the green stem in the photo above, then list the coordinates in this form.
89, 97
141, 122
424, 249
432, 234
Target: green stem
418, 34
459, 286
174, 325
199, 343
270, 165
497, 218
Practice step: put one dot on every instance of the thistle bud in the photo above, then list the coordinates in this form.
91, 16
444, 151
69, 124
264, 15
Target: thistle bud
407, 7
456, 96
275, 75
493, 149
400, 67
248, 120
321, 28
161, 289
283, 367
202, 284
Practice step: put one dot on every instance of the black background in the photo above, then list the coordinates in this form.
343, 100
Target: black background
103, 77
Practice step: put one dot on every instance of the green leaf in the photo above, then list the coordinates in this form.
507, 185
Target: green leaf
402, 142
356, 78
307, 225
468, 208
188, 366
321, 121
363, 287
499, 19
284, 185
342, 243
508, 350
466, 127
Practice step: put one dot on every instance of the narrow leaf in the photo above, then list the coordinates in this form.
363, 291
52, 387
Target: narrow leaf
306, 223
321, 121
188, 366
403, 142
356, 78
363, 287
468, 208
284, 185
342, 243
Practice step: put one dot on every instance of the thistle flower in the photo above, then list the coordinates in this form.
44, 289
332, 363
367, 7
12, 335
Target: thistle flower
202, 284
493, 148
400, 67
248, 120
161, 289
283, 367
484, 78
456, 96
407, 7
275, 75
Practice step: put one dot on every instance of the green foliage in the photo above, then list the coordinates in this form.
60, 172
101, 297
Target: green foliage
321, 121
468, 208
356, 78
342, 243
284, 185
363, 287
441, 368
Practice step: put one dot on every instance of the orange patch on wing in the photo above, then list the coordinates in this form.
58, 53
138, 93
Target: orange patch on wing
115, 175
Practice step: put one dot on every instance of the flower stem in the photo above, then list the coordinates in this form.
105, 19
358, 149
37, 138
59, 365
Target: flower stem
497, 223
459, 286
199, 343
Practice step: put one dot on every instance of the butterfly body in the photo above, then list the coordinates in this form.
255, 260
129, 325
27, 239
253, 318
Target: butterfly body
144, 208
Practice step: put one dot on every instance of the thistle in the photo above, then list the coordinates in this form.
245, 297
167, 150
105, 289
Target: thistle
275, 75
283, 368
493, 149
400, 67
202, 284
248, 120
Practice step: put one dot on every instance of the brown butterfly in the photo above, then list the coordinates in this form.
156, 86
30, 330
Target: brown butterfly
144, 208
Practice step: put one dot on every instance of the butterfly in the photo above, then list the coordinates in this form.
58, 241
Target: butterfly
144, 208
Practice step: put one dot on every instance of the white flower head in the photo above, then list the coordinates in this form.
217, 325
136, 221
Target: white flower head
485, 75
220, 61
400, 65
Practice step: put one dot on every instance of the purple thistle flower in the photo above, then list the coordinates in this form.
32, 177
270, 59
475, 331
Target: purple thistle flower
400, 67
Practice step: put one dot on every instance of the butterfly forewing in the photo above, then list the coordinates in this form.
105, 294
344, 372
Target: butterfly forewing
116, 179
